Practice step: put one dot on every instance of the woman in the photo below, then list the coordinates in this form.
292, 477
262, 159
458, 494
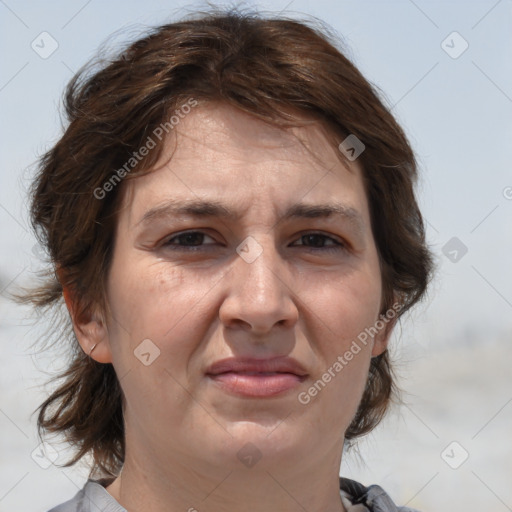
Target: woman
233, 227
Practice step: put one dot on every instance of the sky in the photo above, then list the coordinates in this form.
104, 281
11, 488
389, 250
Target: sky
454, 99
443, 68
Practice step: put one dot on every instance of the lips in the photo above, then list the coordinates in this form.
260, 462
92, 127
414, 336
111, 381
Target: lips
257, 366
257, 377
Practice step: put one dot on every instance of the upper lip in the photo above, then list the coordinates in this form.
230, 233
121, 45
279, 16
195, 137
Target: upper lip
253, 365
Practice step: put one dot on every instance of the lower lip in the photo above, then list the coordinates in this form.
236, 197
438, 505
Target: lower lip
257, 385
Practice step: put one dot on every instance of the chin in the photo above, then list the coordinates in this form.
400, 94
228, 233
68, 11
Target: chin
258, 445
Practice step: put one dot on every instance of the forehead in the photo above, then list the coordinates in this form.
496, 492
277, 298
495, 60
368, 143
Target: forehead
217, 151
218, 128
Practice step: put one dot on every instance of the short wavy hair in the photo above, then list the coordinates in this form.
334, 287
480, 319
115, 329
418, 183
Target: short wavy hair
269, 67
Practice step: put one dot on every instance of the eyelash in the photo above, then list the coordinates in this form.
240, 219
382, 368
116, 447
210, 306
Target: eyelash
193, 248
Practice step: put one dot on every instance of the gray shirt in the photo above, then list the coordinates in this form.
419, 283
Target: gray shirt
93, 497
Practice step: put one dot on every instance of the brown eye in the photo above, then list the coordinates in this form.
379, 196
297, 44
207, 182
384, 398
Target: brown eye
318, 241
187, 239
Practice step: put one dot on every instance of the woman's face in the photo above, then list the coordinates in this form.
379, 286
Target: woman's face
207, 265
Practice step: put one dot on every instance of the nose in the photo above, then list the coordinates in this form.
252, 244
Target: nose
259, 295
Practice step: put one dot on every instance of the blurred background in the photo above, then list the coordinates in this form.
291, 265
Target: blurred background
445, 70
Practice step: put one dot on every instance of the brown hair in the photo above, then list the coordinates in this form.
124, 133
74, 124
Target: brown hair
267, 67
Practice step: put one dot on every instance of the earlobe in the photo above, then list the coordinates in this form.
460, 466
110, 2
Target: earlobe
90, 330
93, 338
379, 347
92, 335
387, 321
381, 339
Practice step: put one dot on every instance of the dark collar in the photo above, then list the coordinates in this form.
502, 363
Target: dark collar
372, 497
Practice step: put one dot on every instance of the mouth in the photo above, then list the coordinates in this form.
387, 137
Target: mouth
257, 384
257, 378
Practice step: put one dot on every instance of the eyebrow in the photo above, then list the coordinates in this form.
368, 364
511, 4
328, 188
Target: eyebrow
205, 209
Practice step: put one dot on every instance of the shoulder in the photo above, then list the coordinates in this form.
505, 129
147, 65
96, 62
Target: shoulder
373, 498
91, 498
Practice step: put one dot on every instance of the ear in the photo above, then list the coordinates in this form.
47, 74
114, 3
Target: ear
90, 329
381, 339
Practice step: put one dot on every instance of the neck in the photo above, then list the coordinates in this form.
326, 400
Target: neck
145, 484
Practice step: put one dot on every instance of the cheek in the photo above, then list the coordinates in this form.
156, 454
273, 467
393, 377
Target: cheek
344, 304
343, 309
152, 300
